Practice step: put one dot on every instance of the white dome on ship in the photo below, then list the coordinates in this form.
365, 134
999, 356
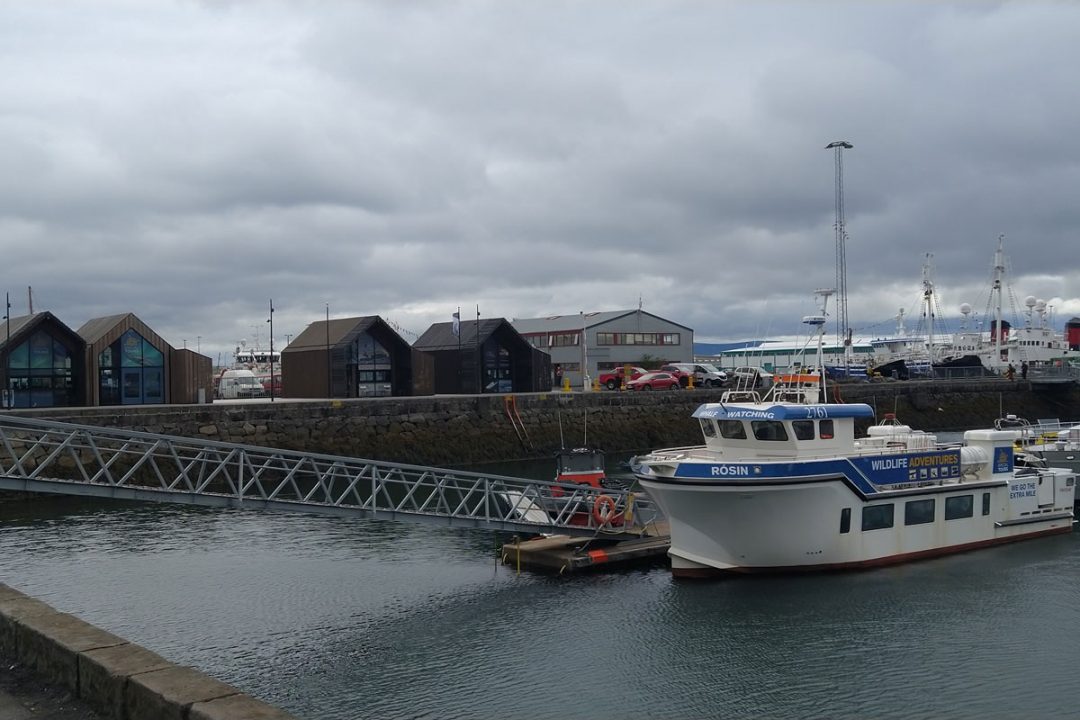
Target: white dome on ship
1040, 305
1030, 301
965, 309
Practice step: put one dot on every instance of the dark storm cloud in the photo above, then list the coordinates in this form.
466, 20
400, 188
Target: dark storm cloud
188, 161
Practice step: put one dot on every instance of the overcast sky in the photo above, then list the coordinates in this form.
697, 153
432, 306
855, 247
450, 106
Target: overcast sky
189, 161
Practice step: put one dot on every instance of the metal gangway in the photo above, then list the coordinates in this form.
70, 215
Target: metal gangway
40, 455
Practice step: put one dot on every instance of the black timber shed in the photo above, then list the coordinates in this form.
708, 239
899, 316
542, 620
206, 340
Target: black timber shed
484, 356
353, 357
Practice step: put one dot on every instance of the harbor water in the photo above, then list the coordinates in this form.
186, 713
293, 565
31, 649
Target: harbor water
339, 618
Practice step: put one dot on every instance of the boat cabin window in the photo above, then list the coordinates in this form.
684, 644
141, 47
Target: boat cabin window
804, 429
845, 521
986, 503
960, 506
708, 428
769, 430
825, 430
732, 430
919, 512
877, 517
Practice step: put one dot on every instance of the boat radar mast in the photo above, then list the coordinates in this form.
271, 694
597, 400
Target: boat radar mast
817, 322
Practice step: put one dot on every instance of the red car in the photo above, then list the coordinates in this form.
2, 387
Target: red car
612, 379
654, 381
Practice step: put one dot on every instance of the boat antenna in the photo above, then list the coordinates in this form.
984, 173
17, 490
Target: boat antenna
585, 434
562, 442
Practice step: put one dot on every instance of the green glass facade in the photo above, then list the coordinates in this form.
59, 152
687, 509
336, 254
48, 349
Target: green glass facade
131, 371
40, 373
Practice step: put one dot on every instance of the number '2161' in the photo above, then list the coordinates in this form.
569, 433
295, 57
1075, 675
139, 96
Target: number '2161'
816, 411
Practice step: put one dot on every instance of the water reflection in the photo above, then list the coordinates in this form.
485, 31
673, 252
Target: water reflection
345, 618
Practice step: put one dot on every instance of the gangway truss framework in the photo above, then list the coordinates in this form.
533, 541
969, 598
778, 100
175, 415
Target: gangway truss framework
46, 456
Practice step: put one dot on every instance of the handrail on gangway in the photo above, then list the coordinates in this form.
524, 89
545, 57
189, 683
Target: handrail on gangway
47, 456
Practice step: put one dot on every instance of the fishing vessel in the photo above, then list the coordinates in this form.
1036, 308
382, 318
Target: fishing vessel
1030, 340
785, 484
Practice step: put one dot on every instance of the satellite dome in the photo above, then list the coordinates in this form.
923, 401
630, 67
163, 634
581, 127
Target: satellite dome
1030, 301
965, 309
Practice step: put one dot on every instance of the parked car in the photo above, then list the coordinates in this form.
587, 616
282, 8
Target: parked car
654, 381
704, 374
612, 379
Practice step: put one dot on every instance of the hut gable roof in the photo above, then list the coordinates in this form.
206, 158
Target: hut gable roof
440, 336
338, 331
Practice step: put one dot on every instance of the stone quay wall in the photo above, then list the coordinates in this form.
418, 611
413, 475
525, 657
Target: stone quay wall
116, 678
456, 430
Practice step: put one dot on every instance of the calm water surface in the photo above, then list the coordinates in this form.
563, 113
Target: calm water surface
335, 618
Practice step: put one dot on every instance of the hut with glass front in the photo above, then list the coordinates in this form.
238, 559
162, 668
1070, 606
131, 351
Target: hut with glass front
42, 361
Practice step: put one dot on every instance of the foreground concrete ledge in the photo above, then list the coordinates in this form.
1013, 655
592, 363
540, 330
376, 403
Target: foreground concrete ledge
104, 674
51, 644
167, 694
236, 707
119, 679
12, 608
9, 593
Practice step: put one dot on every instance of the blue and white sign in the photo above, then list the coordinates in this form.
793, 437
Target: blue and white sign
1003, 459
731, 411
910, 467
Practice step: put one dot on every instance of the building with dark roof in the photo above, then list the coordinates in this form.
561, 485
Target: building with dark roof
127, 363
43, 362
353, 357
612, 339
478, 356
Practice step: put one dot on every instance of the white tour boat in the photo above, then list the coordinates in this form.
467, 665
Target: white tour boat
782, 484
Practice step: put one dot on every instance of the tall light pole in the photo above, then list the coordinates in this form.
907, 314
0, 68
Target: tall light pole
8, 399
329, 386
585, 387
271, 321
843, 330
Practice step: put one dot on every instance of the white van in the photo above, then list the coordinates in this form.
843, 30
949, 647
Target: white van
234, 384
705, 375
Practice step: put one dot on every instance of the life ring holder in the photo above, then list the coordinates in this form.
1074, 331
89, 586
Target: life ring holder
600, 515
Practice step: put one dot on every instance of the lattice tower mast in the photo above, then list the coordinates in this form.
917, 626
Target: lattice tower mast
843, 329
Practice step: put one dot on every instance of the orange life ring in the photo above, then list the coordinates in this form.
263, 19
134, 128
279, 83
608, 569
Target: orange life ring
599, 514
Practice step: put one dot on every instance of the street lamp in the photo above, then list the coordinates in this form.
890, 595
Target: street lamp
271, 321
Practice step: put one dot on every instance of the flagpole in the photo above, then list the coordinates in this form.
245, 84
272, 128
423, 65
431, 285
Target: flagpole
457, 328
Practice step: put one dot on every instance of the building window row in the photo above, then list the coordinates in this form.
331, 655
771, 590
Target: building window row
608, 338
565, 339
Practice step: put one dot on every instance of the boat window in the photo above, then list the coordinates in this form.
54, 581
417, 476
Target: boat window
961, 506
707, 427
845, 521
804, 429
919, 512
769, 430
877, 517
825, 430
986, 504
732, 430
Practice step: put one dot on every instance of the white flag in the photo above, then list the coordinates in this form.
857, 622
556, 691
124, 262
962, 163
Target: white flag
457, 324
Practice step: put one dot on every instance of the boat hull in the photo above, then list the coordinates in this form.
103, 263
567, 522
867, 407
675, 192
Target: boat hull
776, 527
